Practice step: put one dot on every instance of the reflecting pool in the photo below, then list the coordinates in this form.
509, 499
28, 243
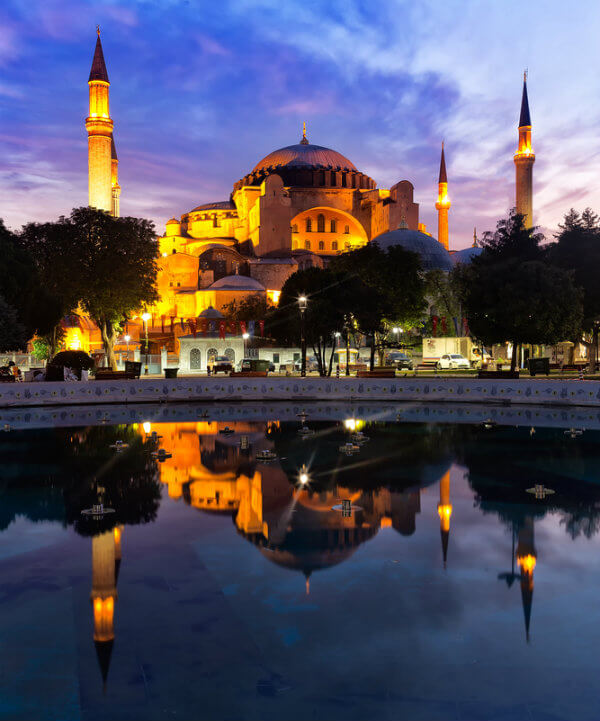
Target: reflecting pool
446, 566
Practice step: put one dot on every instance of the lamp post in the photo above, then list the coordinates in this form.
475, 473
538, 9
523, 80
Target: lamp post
347, 329
146, 317
302, 303
245, 336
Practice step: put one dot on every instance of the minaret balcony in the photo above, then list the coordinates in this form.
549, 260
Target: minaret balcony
99, 125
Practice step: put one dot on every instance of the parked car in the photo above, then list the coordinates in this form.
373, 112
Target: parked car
400, 360
221, 364
453, 360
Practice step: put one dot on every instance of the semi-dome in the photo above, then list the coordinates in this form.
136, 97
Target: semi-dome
236, 282
305, 156
432, 253
466, 255
219, 205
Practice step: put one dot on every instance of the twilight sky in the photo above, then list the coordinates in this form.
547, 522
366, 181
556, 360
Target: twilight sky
202, 90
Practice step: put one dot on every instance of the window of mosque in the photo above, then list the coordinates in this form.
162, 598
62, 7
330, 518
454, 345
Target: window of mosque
344, 181
195, 359
211, 354
334, 245
321, 245
308, 225
230, 353
347, 229
295, 228
307, 244
333, 226
215, 221
334, 178
320, 223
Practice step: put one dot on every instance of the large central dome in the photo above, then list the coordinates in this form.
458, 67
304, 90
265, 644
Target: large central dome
309, 166
305, 155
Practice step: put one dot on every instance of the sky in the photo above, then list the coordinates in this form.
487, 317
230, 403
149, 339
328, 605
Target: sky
202, 90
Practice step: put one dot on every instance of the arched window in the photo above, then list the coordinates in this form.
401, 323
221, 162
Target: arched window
195, 359
321, 245
215, 221
334, 245
333, 226
211, 354
308, 225
307, 244
347, 230
344, 180
320, 223
295, 228
230, 353
334, 178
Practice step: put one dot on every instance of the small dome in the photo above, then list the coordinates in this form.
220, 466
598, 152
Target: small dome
173, 221
304, 156
466, 255
211, 312
236, 282
433, 254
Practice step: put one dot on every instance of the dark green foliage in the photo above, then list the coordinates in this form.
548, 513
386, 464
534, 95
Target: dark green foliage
73, 359
13, 335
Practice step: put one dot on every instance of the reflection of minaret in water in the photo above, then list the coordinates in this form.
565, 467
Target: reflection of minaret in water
445, 511
526, 560
106, 558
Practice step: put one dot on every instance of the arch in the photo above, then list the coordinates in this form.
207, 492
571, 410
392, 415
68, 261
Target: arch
230, 353
334, 222
195, 359
211, 354
307, 244
321, 245
334, 245
320, 223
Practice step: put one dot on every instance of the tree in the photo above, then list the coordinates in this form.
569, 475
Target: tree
23, 290
577, 248
511, 293
12, 332
329, 295
443, 294
390, 291
253, 307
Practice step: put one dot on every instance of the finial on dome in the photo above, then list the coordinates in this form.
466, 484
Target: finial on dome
474, 237
304, 140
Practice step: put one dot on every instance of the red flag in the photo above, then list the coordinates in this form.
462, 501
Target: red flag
182, 323
261, 323
222, 329
243, 326
444, 329
162, 324
466, 326
435, 322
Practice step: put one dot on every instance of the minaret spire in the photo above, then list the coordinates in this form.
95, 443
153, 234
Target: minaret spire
524, 160
99, 127
443, 202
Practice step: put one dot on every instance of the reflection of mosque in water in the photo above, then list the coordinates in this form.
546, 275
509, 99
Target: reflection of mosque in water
297, 528
292, 526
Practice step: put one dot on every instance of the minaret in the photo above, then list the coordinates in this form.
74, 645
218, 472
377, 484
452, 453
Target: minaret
445, 511
114, 179
443, 202
526, 559
104, 595
524, 160
99, 127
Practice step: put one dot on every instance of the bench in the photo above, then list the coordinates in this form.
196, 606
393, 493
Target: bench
510, 375
249, 374
574, 368
106, 374
379, 373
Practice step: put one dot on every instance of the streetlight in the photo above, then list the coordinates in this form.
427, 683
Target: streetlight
302, 303
347, 327
146, 317
127, 339
245, 336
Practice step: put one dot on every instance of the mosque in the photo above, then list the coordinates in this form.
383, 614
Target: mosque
296, 208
